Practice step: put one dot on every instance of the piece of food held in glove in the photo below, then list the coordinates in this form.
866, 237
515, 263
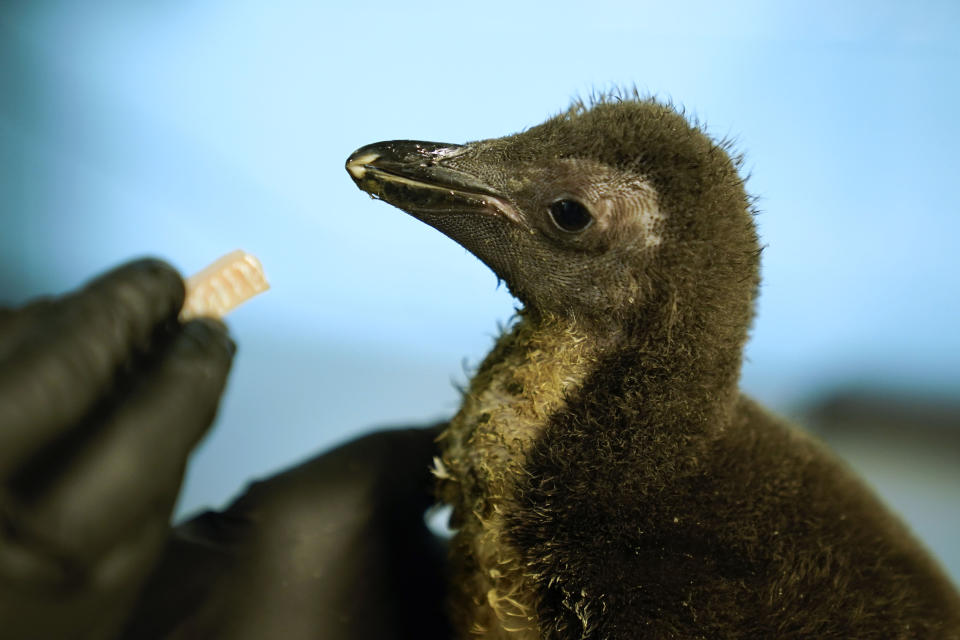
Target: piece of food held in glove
223, 286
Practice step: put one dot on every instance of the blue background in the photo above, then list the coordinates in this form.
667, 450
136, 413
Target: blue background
185, 130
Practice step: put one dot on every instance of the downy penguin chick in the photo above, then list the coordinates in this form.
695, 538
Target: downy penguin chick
608, 478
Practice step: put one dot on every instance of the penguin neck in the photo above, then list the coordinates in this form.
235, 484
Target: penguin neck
677, 365
524, 380
681, 365
681, 348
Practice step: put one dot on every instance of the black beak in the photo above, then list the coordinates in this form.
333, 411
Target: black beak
416, 177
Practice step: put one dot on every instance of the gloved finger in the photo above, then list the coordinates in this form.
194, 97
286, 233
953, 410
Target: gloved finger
132, 466
406, 480
58, 360
385, 470
340, 537
90, 604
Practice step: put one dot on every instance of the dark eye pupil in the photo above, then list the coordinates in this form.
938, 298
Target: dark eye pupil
570, 215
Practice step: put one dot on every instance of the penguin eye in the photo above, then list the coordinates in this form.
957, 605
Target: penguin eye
570, 215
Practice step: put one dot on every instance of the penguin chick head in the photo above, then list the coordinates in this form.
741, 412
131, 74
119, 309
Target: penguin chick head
620, 208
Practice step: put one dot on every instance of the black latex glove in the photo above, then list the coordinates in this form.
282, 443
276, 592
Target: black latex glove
333, 549
103, 394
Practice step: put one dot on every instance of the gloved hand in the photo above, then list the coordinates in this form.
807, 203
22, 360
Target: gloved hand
103, 394
335, 548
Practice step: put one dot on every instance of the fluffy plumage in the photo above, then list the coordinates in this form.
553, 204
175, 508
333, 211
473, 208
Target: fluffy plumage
608, 478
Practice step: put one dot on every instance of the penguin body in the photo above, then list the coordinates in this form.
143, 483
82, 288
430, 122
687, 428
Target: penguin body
608, 478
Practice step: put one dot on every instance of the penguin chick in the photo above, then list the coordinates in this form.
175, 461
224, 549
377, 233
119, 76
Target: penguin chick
607, 477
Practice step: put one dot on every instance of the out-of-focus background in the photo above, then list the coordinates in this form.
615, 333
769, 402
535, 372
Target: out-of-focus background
187, 129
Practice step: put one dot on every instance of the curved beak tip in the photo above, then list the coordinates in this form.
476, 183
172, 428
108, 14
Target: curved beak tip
357, 163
